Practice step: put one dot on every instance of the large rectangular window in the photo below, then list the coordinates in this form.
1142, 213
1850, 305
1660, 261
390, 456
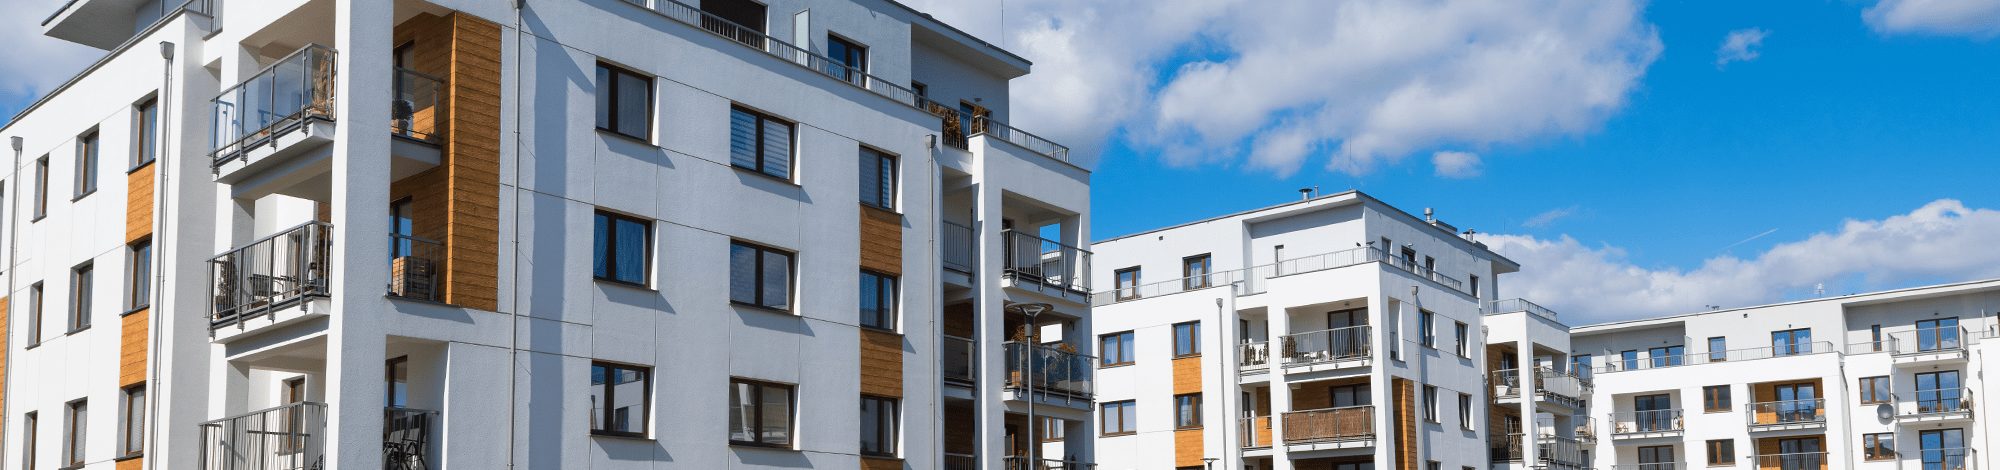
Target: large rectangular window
760, 276
852, 57
74, 434
878, 300
1116, 348
79, 297
1791, 342
620, 399
760, 143
1721, 452
621, 249
878, 426
760, 413
132, 421
1718, 349
1715, 398
1629, 359
34, 314
86, 164
1187, 339
1875, 390
1667, 356
1187, 411
1879, 446
624, 101
41, 188
138, 276
1118, 418
145, 133
878, 179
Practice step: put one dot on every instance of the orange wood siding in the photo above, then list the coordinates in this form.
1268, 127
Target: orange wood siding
139, 203
878, 463
881, 363
1187, 448
1768, 392
960, 428
1405, 397
881, 241
1187, 375
958, 320
136, 463
132, 346
458, 203
1187, 442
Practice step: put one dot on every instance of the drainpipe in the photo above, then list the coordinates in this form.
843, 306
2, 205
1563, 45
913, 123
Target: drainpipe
161, 175
937, 303
9, 267
514, 333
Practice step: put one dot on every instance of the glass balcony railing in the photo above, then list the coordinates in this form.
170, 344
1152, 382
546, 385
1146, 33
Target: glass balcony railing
290, 93
1050, 370
413, 114
1954, 458
287, 437
958, 363
1933, 403
1254, 280
1256, 431
1033, 260
1948, 339
1646, 422
1735, 355
1786, 413
269, 274
1519, 305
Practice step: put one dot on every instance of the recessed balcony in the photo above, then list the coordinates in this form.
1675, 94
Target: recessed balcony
1050, 375
1046, 266
1935, 407
1350, 427
1786, 415
286, 437
1564, 389
274, 280
1792, 461
273, 131
1925, 347
1326, 350
1638, 425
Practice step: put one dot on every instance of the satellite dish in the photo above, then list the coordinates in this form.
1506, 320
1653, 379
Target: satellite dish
1885, 412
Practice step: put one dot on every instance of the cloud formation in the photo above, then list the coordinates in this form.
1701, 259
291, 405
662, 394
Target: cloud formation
1740, 46
1348, 84
34, 63
1456, 165
1979, 19
1548, 217
1940, 241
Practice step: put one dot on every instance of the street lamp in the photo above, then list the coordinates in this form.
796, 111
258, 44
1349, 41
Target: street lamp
1208, 462
1027, 356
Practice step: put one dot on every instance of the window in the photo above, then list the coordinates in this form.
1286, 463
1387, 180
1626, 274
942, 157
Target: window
1460, 332
1118, 418
86, 164
1187, 411
878, 300
1195, 270
878, 426
1718, 349
760, 143
760, 276
760, 413
1127, 282
622, 243
620, 399
1431, 403
1875, 337
1433, 465
1715, 398
34, 314
139, 277
396, 381
1187, 339
1667, 356
28, 441
878, 179
1473, 280
74, 434
132, 435
1465, 411
852, 57
624, 101
402, 229
145, 137
1426, 333
1349, 395
1875, 390
1721, 452
1629, 359
41, 188
1052, 429
1116, 348
1880, 446
1278, 258
1580, 363
1791, 342
79, 298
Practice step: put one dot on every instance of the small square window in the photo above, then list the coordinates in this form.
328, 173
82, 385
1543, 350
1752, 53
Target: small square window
1187, 339
624, 101
1118, 418
622, 247
620, 399
760, 276
760, 413
760, 143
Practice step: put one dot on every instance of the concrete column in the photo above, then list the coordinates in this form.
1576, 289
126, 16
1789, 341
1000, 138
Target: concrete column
1525, 356
1281, 393
360, 200
989, 405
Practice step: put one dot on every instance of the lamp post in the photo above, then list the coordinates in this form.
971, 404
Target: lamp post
1028, 371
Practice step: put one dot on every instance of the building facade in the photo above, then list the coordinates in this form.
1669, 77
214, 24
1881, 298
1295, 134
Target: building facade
605, 234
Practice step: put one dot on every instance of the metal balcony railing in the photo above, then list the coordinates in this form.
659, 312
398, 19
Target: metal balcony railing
1255, 355
1786, 413
1168, 287
275, 272
1337, 344
289, 437
1792, 461
1506, 448
1887, 344
1734, 355
1352, 423
1930, 340
1560, 451
1254, 280
1519, 305
1565, 384
413, 114
1926, 403
958, 360
1048, 263
1506, 383
1586, 428
1649, 466
414, 264
1256, 431
1016, 462
1051, 370
1646, 422
1955, 458
957, 247
961, 461
407, 434
290, 93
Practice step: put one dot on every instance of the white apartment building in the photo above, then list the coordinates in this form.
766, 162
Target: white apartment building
1335, 332
596, 234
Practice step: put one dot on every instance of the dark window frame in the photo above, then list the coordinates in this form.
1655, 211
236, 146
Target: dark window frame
1465, 420
139, 266
1718, 349
132, 421
757, 403
1720, 452
1431, 412
762, 119
89, 146
1106, 351
1867, 394
1463, 334
1193, 339
757, 262
31, 438
610, 249
887, 427
1427, 328
1190, 278
41, 189
145, 132
82, 281
1183, 417
1122, 290
604, 423
76, 430
1878, 446
884, 196
1104, 428
855, 64
614, 95
36, 292
1716, 399
886, 288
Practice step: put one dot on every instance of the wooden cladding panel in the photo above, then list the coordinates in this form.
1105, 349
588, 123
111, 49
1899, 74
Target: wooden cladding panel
132, 344
880, 463
881, 241
1187, 375
881, 363
1317, 395
1187, 448
960, 427
135, 463
139, 203
1404, 393
1260, 427
472, 149
958, 320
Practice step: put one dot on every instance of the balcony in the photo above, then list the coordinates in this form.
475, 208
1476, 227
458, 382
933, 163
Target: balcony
957, 361
1736, 355
1253, 358
1586, 429
1646, 424
1792, 461
1651, 466
1550, 451
1936, 406
1046, 266
1786, 415
414, 113
284, 109
407, 434
1328, 349
289, 437
1929, 347
1552, 387
413, 268
1256, 431
1016, 462
1330, 428
1497, 307
961, 461
959, 128
1056, 376
271, 275
956, 247
1955, 458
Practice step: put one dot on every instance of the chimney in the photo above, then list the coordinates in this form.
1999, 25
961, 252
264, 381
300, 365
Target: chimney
1305, 194
1429, 216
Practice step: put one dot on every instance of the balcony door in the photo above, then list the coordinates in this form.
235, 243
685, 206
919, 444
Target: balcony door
1797, 402
1653, 413
1943, 449
1933, 335
1656, 458
1345, 340
1937, 392
1798, 454
1791, 342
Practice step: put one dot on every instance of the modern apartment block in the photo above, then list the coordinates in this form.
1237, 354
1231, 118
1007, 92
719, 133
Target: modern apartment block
1336, 332
317, 234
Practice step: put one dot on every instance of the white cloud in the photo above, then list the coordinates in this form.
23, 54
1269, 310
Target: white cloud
1971, 18
1549, 217
1456, 165
1943, 240
1348, 84
34, 63
1740, 46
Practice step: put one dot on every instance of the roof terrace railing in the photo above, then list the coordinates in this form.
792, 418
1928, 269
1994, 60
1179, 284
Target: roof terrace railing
1734, 355
1519, 305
